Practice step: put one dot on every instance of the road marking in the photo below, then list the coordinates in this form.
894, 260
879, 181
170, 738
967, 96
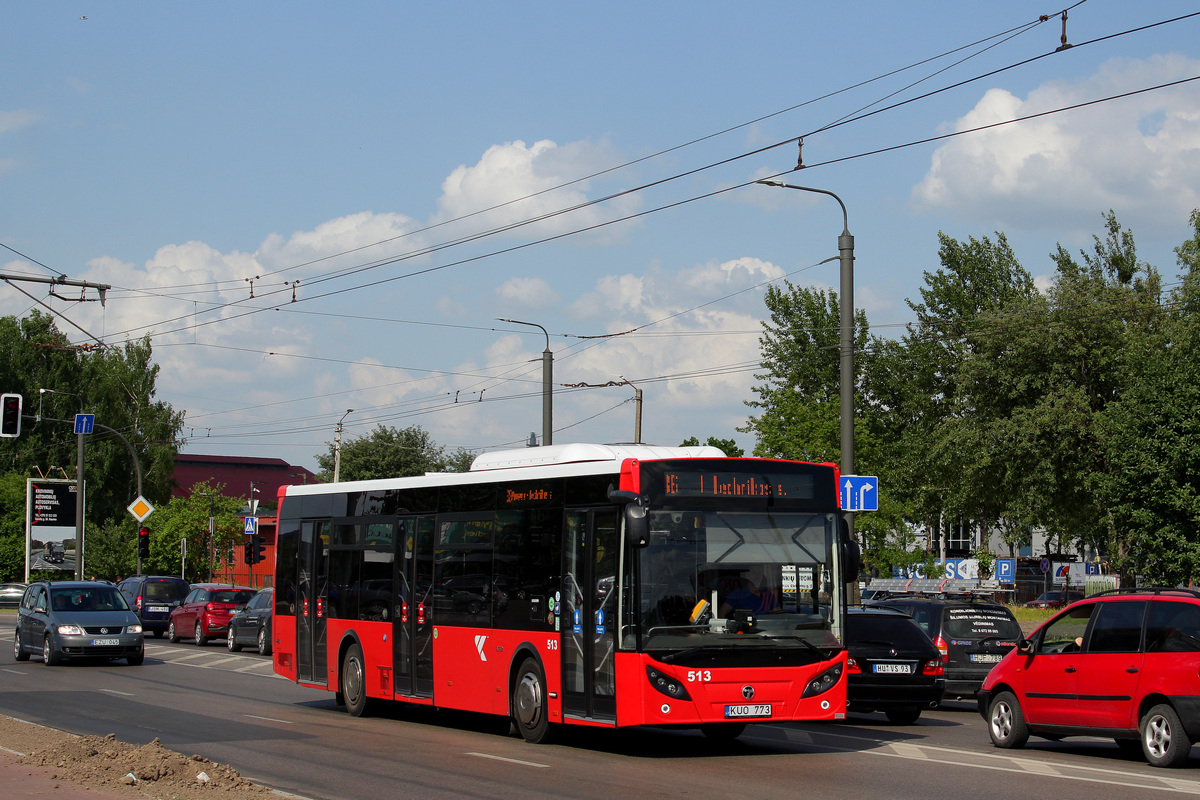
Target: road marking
510, 760
269, 719
188, 657
16, 672
114, 691
225, 660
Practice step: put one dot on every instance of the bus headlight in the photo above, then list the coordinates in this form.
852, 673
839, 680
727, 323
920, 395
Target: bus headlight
667, 685
824, 682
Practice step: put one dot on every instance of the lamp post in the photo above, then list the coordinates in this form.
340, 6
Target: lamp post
547, 383
337, 445
846, 325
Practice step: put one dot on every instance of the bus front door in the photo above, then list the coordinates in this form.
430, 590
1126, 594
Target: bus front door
590, 614
312, 594
413, 642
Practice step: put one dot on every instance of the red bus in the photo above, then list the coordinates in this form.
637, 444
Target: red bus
573, 584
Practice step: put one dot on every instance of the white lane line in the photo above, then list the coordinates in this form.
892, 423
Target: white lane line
269, 719
226, 660
114, 691
510, 760
16, 672
179, 659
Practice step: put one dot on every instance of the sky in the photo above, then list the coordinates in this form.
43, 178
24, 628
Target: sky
317, 207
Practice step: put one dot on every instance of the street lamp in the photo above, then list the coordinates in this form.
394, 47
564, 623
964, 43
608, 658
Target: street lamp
547, 383
337, 445
846, 345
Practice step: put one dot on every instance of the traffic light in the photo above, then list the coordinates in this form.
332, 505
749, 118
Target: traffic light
248, 552
260, 549
143, 542
10, 426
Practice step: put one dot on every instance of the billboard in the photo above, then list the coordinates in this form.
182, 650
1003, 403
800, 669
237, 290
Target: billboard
50, 527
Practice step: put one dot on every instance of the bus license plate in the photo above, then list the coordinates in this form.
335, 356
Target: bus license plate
893, 669
986, 658
105, 642
741, 712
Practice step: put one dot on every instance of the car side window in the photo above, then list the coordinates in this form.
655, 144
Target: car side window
191, 598
1065, 633
1173, 628
1118, 627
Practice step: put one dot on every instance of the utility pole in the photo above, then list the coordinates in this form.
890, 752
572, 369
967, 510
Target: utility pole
337, 446
547, 383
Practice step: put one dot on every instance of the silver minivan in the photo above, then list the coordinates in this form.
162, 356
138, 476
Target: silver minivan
77, 619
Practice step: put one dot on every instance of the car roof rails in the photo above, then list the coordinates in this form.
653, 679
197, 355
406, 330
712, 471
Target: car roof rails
1151, 590
937, 587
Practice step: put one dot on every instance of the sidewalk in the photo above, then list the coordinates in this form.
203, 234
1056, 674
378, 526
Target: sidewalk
27, 782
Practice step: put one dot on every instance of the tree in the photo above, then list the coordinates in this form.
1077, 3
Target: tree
727, 446
187, 517
388, 453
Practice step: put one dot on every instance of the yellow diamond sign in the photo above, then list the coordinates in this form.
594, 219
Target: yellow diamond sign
140, 509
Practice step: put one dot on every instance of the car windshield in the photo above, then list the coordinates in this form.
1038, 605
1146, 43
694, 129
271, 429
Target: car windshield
738, 580
88, 598
165, 590
235, 596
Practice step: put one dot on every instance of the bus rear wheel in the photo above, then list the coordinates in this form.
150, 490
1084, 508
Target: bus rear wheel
354, 682
530, 711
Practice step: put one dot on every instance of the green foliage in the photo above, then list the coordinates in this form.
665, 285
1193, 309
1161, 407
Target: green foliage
187, 517
391, 453
727, 446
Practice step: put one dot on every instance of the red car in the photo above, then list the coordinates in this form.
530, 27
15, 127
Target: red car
1054, 599
1120, 664
204, 614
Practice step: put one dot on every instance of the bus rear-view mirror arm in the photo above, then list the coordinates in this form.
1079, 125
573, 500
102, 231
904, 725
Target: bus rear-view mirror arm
637, 526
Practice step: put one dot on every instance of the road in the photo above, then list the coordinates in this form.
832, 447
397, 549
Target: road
232, 708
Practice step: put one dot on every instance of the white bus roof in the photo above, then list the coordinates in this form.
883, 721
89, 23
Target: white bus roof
577, 452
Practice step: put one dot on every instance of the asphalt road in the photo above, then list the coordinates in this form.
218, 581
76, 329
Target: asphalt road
233, 709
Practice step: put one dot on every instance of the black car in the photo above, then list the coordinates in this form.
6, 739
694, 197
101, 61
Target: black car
251, 624
972, 635
152, 597
893, 667
76, 619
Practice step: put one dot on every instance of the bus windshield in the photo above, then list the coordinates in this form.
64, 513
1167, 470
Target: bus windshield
735, 581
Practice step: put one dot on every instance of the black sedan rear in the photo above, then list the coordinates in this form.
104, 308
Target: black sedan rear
894, 666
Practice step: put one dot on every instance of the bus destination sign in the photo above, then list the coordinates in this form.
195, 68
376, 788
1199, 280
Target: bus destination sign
704, 483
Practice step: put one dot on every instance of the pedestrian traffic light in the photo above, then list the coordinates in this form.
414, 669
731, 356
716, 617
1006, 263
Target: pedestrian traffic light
143, 542
260, 548
248, 552
10, 425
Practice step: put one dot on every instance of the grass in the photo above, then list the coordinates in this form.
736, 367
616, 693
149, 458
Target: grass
1038, 615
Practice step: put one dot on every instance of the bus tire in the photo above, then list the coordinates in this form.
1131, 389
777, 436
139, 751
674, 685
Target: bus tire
353, 682
530, 706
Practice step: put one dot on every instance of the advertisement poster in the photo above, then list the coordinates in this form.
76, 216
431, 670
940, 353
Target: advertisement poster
50, 529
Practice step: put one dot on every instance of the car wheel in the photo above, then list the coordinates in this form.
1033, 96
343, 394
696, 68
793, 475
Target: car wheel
136, 661
529, 705
723, 731
902, 716
19, 653
1164, 741
354, 682
49, 656
231, 643
172, 634
1006, 723
264, 643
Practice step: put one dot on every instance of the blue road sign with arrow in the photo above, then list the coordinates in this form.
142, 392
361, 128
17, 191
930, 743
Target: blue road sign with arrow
860, 492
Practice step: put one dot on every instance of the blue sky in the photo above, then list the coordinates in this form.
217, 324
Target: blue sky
369, 158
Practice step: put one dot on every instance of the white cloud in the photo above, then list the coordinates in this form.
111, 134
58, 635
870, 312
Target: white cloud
527, 293
11, 121
518, 182
1139, 155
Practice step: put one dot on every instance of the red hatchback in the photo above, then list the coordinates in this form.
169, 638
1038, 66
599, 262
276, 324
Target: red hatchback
204, 614
1120, 664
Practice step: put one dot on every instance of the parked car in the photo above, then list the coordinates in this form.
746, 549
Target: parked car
204, 614
251, 624
11, 594
1119, 664
61, 620
972, 635
893, 667
152, 597
1054, 599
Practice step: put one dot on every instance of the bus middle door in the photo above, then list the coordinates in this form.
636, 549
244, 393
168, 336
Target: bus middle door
312, 594
590, 613
413, 642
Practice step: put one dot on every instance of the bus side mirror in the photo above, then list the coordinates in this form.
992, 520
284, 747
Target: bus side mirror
637, 527
851, 554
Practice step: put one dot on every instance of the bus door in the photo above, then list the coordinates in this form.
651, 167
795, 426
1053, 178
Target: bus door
312, 599
412, 636
590, 613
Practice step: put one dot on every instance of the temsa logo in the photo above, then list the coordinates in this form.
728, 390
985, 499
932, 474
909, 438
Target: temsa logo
480, 641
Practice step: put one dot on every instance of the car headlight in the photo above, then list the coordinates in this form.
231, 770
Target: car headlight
70, 630
133, 628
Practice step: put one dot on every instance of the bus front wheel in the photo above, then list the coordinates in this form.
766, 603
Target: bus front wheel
354, 682
530, 711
